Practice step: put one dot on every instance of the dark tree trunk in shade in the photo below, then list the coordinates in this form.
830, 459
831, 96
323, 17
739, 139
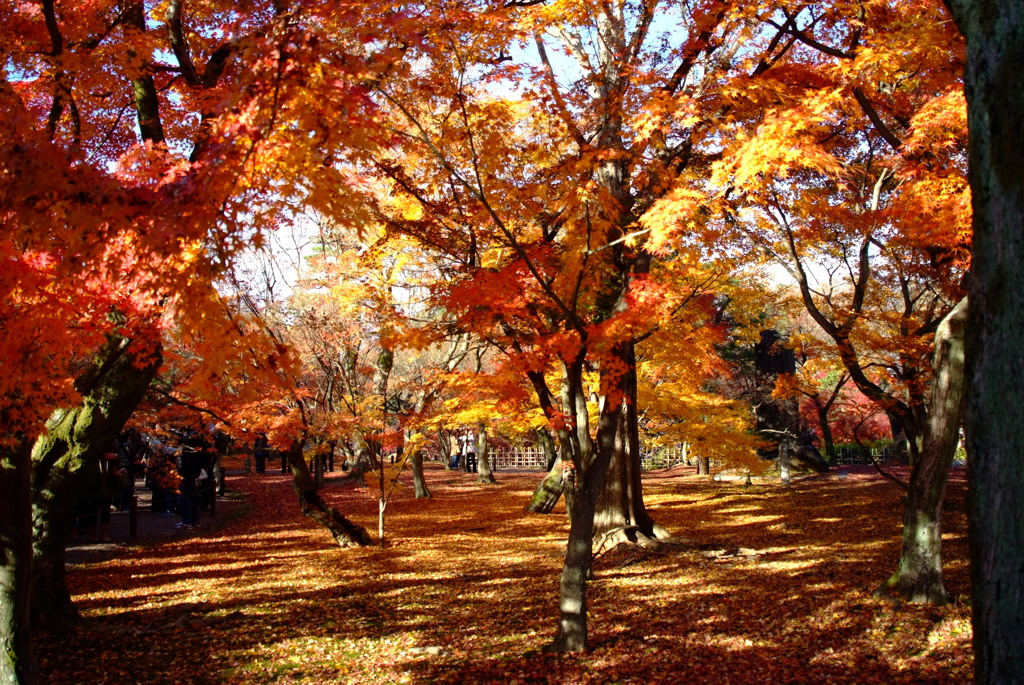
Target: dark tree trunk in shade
17, 661
994, 424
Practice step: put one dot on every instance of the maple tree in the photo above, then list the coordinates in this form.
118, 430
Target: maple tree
864, 175
128, 187
547, 204
572, 175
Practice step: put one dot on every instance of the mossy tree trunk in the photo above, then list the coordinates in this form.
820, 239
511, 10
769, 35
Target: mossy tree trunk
918, 577
77, 437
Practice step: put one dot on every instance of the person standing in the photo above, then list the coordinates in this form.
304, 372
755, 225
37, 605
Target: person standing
260, 452
192, 462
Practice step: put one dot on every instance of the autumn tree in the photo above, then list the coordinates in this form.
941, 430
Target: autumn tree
995, 43
856, 167
154, 134
556, 208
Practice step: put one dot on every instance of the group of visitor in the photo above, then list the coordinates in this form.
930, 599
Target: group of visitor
180, 473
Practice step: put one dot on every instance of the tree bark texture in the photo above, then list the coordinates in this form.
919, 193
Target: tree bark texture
621, 514
344, 532
995, 430
418, 481
572, 622
549, 491
77, 437
17, 661
918, 577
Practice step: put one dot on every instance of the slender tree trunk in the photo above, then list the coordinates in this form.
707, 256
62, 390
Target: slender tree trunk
572, 623
785, 452
918, 577
17, 661
548, 445
344, 532
995, 432
449, 447
826, 434
483, 457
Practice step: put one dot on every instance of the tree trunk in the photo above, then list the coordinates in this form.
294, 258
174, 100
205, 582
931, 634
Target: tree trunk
995, 434
785, 449
703, 466
483, 457
365, 458
826, 434
449, 446
17, 661
572, 623
344, 532
76, 438
549, 491
418, 481
918, 577
621, 514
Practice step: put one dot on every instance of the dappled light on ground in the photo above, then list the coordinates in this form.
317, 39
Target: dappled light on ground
767, 584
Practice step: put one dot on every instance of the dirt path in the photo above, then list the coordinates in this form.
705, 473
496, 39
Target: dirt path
152, 526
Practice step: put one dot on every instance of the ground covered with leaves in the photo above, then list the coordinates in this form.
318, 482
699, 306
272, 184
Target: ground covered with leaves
766, 584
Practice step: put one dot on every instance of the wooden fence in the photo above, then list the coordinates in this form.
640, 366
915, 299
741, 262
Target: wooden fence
851, 455
534, 458
519, 458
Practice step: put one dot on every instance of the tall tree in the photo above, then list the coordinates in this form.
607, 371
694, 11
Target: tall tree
558, 207
995, 43
104, 233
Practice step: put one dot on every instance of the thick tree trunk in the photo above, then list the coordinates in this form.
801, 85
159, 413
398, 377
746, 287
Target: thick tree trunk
995, 431
344, 532
918, 577
483, 456
621, 514
75, 438
703, 466
17, 661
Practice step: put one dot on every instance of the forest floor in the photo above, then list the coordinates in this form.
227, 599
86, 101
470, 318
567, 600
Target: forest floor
770, 584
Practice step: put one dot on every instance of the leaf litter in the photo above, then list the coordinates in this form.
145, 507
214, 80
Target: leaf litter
761, 584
